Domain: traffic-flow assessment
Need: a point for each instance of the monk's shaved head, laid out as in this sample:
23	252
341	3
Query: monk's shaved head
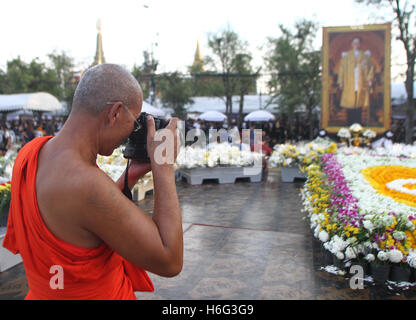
104	83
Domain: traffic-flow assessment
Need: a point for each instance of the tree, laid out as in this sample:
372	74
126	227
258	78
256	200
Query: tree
17	76
22	77
175	93
145	75
205	83
225	46
246	80
140	74
296	70
63	65
404	12
3	82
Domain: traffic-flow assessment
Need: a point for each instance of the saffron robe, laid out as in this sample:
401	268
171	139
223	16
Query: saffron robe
98	273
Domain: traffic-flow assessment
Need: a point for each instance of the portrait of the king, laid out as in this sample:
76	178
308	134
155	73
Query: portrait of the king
356	66
355	80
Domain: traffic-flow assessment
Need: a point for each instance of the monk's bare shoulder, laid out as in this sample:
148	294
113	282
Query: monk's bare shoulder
100	195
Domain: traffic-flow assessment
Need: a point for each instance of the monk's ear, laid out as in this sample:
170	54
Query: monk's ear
113	113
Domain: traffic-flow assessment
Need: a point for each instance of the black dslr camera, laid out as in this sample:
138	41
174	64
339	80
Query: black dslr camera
136	147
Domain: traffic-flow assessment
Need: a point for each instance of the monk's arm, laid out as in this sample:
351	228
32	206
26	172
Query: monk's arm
167	212
129	231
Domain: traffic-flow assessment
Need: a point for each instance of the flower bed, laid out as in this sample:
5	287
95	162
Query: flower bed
288	155
217	154
5	196
353	218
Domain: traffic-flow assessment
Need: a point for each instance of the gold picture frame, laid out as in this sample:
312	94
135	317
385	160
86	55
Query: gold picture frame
371	102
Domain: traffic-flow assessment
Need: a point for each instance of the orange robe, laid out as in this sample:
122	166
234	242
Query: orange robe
97	273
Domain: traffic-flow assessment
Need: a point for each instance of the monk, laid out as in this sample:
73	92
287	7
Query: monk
79	236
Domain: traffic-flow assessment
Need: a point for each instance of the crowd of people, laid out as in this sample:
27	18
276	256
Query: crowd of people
273	132
281	131
22	131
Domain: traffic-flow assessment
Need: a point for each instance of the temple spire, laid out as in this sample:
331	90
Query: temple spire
198	60
99	53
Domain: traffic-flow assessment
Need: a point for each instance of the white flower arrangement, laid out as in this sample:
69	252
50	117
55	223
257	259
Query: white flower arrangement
288	155
399	235
344	133
411	258
7	162
323	236
383	233
398	185
382	256
340	255
395	256
217	154
115	165
370	257
395	150
369	134
356	127
369	199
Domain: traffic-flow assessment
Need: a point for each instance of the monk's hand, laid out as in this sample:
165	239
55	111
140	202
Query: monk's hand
162	145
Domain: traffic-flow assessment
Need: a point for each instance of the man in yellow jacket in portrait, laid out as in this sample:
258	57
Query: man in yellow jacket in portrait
355	80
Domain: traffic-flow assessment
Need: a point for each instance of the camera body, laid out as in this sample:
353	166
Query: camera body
136	147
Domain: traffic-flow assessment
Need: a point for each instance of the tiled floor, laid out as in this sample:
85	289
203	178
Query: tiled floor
242	241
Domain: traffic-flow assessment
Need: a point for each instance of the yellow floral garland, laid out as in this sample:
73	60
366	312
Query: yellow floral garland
379	176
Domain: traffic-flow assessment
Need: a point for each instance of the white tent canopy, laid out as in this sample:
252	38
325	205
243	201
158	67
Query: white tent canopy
156	112
38	101
213	116
251	103
259	115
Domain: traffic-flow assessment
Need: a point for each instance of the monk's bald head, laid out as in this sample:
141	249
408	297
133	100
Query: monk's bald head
104	83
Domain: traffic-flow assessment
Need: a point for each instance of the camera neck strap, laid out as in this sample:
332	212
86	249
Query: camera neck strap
126	191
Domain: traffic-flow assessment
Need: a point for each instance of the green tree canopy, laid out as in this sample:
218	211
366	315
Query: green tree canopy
35	76
296	69
175	93
228	53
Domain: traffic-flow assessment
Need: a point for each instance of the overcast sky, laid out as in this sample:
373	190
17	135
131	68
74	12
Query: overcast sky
35	28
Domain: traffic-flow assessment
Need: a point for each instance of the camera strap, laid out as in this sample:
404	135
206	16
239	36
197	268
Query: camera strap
126	191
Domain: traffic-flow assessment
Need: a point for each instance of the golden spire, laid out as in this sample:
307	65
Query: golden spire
198	61
99	53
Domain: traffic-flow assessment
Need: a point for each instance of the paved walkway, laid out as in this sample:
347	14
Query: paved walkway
242	241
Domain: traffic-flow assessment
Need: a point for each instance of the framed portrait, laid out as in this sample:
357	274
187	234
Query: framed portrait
356	77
